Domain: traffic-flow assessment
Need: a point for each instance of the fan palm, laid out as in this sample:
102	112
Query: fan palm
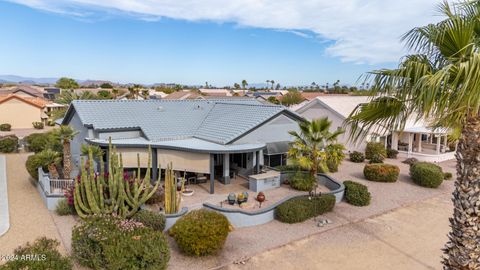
65	134
308	148
67	96
440	83
52	159
97	153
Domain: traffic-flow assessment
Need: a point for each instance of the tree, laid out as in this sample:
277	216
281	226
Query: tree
438	82
65	134
134	91
105	94
273	100
67	96
292	97
278	86
115	93
106	86
272	82
67	83
236	86
244	84
308	149
268	82
52	159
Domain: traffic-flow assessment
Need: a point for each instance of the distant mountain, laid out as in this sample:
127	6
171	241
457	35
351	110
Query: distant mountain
29	80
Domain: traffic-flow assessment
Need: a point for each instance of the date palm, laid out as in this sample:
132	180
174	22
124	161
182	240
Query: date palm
308	149
65	134
440	83
52	159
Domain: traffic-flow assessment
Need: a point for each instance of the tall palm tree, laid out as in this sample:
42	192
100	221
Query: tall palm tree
440	83
272	82
52	159
268	82
244	84
308	147
65	134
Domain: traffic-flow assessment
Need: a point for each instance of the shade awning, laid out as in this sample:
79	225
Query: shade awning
276	148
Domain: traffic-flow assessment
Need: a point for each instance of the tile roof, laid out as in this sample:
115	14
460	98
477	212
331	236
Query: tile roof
37	102
160	120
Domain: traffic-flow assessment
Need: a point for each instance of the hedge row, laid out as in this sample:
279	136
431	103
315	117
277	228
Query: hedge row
302	208
381	172
356	194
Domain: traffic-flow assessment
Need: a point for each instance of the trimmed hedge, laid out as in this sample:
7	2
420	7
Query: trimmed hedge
426	174
37	142
5	127
150	219
46	257
302	208
381	172
201	232
107	242
38	125
410	161
375	148
303	181
376	158
8	144
356	194
357	157
447	176
391	153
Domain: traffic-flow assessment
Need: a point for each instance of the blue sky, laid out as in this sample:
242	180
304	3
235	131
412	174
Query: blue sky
145	45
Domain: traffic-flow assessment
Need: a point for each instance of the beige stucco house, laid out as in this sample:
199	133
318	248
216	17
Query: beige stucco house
21	112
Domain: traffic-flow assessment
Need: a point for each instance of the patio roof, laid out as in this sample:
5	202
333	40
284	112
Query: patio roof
422	129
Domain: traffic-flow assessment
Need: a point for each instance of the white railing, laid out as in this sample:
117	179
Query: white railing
53	186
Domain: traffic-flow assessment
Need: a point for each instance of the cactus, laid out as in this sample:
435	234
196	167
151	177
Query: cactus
100	193
172	197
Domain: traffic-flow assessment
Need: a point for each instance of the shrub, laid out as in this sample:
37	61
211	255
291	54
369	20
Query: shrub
375	148
302	208
201	232
335	155
447	176
35	161
357	157
5	127
150	219
107	242
8	144
426	174
157	197
356	194
410	161
48	256
64	209
303	181
37	142
37	125
381	172
376	159
392	153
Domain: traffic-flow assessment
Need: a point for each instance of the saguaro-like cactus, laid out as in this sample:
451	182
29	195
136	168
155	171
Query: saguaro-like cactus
172	197
101	193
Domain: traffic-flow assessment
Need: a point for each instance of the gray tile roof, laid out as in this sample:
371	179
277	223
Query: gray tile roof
211	120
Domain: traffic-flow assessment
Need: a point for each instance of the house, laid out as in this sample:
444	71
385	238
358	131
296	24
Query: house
220	138
26	91
415	140
214	92
183	94
21	112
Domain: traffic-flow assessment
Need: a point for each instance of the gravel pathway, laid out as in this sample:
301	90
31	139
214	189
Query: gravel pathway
4	214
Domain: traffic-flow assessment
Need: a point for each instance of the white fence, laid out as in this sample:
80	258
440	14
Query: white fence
50	186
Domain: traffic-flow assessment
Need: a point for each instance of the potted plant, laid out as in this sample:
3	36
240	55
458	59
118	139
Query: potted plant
231	198
241	198
260	198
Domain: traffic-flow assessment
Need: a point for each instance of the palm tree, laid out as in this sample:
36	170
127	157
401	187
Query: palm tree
52	159
97	153
65	134
67	96
115	92
268	82
308	147
244	84
272	82
440	83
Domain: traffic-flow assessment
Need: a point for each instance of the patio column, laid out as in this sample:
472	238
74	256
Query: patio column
395	141
257	162
446	143
419	142
212	172
439	138
226	168
154	165
410	143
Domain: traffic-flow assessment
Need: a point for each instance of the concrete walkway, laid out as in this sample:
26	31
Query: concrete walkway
4	214
407	238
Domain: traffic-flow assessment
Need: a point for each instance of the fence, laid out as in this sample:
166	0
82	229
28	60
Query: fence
53	186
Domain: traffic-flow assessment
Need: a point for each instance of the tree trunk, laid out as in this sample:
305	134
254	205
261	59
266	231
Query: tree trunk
462	251
53	171
67	160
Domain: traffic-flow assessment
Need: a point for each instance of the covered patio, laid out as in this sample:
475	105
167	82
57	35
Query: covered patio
424	144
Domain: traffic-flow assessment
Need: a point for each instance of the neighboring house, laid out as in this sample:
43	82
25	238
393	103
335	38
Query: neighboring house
215	92
26	91
21	112
222	138
183	94
51	93
415	140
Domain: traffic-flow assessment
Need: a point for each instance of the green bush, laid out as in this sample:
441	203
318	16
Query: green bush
37	142
392	153
107	242
8	144
288	168
201	232
46	257
38	125
64	209
335	156
302	208
410	161
426	174
447	176
5	127
381	172
303	181
376	159
357	157
32	164
150	219
157	197
356	194
375	148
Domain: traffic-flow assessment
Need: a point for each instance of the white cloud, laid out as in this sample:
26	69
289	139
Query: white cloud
362	31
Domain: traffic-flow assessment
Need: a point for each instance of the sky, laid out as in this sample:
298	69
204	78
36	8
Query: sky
220	41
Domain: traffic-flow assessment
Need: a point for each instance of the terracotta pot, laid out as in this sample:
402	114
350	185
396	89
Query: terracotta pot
260	197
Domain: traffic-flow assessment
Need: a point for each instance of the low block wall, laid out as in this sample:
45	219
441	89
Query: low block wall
172	218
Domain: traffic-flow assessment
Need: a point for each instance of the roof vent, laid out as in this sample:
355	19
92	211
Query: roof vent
198	107
160	109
